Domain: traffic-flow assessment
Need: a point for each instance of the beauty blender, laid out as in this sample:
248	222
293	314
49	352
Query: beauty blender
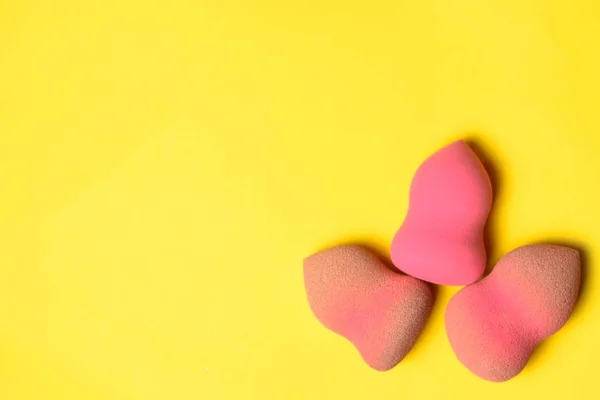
495	324
441	238
354	294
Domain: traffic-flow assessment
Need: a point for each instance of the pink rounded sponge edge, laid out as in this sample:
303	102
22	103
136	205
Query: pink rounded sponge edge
352	293
441	238
494	325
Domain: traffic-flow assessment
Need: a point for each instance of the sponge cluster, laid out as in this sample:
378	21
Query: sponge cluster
493	324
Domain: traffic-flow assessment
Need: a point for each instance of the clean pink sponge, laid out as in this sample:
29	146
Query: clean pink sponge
380	311
441	239
495	324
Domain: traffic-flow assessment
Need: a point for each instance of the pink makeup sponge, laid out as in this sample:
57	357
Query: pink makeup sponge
381	312
441	239
494	325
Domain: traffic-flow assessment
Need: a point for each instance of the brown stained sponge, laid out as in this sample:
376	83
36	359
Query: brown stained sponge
380	311
495	324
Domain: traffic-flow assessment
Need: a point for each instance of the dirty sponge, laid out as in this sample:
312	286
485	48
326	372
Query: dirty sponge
494	325
354	294
441	239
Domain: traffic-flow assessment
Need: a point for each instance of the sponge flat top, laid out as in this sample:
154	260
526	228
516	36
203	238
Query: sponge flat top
355	295
495	324
441	238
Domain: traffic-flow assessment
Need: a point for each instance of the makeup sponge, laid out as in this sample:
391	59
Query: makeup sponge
441	238
354	294
495	324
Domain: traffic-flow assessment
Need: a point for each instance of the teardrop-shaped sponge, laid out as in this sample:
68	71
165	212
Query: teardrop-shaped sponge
441	238
354	294
495	324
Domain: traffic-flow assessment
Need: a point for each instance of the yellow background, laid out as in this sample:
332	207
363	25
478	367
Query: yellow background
166	166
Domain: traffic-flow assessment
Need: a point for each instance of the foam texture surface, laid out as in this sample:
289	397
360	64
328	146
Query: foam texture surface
354	294
495	324
441	238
